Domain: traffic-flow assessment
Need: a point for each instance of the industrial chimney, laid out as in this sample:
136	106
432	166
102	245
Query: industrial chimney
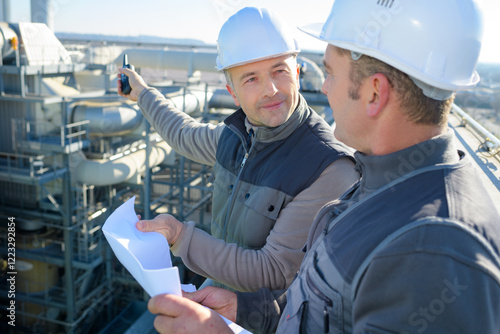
4	10
42	11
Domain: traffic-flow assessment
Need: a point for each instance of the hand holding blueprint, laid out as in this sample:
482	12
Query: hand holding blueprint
146	255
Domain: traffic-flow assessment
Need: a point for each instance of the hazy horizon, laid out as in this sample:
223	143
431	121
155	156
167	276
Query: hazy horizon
202	19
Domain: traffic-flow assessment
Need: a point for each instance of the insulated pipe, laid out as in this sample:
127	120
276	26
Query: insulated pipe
193	100
190	61
190	102
221	99
107	119
108	172
8	38
311	76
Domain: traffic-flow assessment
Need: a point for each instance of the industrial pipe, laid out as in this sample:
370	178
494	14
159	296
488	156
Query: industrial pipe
107	119
108	172
8	42
190	61
311	76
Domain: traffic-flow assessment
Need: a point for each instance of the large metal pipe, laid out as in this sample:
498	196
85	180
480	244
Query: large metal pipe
221	99
311	78
192	100
8	42
107	119
190	61
127	168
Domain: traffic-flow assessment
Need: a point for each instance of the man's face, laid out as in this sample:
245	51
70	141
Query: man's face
266	90
347	112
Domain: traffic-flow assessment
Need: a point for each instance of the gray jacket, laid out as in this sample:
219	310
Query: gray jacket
414	248
291	172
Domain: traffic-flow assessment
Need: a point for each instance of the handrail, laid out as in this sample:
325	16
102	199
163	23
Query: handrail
37	130
19	162
487	135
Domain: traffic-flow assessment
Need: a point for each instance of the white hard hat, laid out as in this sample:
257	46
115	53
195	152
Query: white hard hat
435	42
253	34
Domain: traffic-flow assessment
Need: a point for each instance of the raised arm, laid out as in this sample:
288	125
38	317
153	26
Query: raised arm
188	137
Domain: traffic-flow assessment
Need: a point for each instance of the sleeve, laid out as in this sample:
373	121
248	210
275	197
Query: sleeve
194	140
445	284
259	311
275	264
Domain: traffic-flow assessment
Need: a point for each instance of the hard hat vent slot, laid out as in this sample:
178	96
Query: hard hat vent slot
385	3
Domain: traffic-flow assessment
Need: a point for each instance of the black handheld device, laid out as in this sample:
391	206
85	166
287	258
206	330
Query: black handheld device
126	89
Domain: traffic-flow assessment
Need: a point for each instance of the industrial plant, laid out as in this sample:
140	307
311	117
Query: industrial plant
72	150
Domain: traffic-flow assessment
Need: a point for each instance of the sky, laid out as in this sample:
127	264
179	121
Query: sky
202	19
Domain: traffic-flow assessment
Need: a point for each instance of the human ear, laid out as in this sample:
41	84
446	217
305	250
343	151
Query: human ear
231	91
379	84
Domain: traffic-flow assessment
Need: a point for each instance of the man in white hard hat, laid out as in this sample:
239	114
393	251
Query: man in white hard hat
414	246
276	162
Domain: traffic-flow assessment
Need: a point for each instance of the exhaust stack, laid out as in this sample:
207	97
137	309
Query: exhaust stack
42	11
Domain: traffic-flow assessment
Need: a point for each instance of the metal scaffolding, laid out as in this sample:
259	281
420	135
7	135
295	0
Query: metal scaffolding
67	278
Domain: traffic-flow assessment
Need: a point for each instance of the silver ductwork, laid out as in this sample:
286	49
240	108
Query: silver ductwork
116	118
196	99
190	61
221	99
311	78
107	119
127	168
37	44
8	42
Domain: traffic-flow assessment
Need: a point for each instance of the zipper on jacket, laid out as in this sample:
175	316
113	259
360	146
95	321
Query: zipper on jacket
237	185
334	213
327	302
243	162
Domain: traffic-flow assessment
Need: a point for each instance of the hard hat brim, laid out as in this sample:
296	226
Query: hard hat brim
316	30
313	29
291	52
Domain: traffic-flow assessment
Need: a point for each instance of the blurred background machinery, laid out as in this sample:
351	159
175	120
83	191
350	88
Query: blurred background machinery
72	150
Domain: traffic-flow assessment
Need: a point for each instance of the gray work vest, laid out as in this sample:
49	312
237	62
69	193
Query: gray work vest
321	297
254	183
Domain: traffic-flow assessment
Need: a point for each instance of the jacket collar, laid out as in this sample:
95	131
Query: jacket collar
380	170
